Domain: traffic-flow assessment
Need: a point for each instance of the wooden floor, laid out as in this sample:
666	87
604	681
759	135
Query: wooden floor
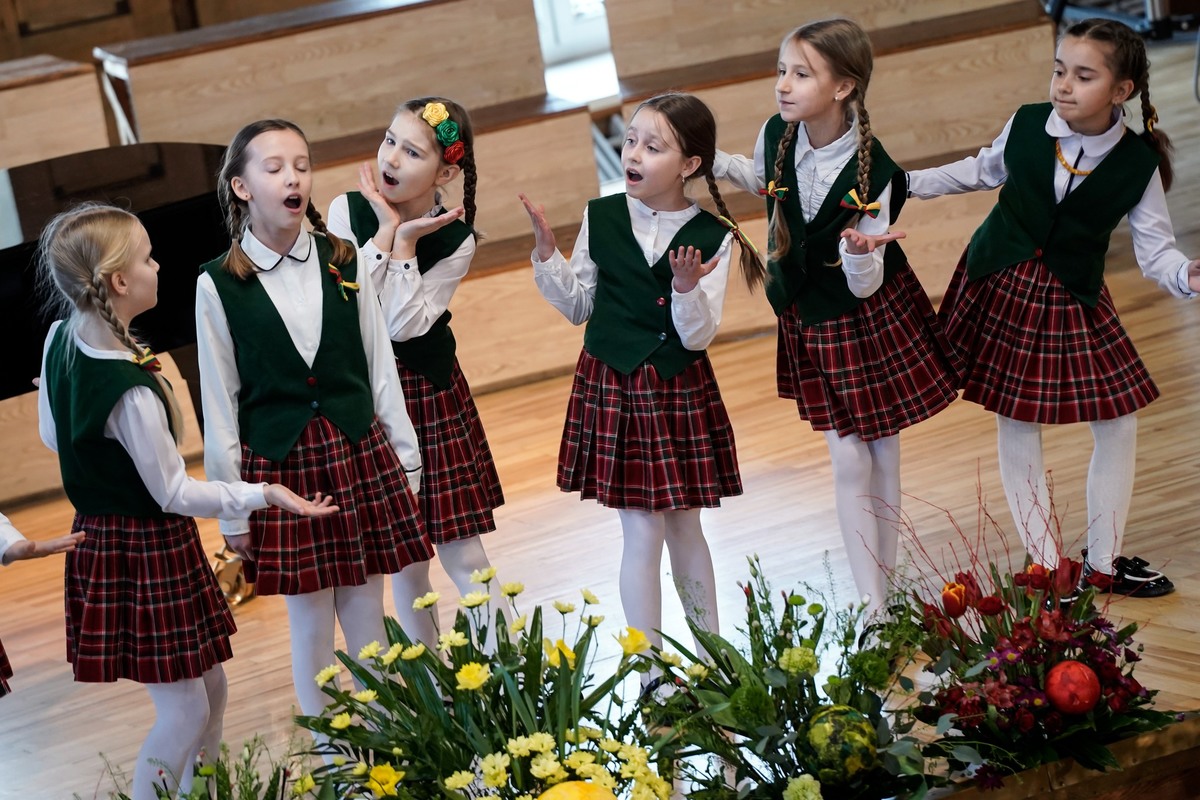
53	730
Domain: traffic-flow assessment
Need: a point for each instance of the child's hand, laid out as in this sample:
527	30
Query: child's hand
283	497
241	544
860	243
23	549
689	268
543	234
404	244
389	218
1194	275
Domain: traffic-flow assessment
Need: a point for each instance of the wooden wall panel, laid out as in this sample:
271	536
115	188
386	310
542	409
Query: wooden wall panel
51	108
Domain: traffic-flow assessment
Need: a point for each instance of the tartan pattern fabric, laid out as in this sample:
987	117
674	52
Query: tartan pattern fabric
1035	353
377	532
459	483
142	602
640	442
872	371
5	672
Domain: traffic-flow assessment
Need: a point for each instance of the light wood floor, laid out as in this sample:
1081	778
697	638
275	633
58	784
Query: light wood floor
53	730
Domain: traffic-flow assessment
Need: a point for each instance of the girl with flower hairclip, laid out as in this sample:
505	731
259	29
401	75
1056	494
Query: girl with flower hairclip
142	603
298	382
860	349
418	251
647	432
1027	308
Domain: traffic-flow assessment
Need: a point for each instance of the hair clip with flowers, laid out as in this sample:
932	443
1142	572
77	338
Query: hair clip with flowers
851	201
738	234
446	131
772	190
148	361
342	283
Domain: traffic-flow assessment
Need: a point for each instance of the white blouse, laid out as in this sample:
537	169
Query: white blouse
1149	221
139	422
816	171
411	301
571	287
9	536
293	282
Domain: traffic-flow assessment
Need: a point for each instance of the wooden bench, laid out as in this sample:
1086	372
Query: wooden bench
51	107
70	28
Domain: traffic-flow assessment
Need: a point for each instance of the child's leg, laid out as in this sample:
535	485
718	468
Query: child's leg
641	561
1023	473
885	502
692	568
853	468
462	557
1110	488
311	617
407	585
180	716
217	690
360	613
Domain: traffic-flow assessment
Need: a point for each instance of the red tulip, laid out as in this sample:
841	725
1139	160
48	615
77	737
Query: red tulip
990	606
954	599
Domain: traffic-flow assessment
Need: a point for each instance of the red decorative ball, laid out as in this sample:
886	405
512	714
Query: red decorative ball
1072	687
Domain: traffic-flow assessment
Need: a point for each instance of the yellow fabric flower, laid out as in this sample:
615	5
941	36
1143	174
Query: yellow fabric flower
555	651
472	676
588	597
340	722
563	607
512	589
451	639
674	659
413	651
633	642
304	784
460	780
518	624
383	779
474	599
483	575
435	114
426	600
392	654
327	674
366	696
369	651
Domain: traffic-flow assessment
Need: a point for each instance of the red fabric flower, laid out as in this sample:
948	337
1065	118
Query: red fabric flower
454	153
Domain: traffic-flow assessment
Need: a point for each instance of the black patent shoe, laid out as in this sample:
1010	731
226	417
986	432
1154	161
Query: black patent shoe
1129	578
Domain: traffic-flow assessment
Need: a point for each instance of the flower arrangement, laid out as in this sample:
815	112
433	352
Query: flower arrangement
464	721
798	711
1027	669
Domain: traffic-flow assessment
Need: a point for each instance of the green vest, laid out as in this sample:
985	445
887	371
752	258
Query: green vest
1071	238
283	393
98	473
631	314
804	276
432	353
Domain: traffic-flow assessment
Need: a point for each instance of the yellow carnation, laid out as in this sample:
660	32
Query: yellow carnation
340	722
518	624
518	746
494	767
365	696
563	607
413	651
327	674
579	758
359	769
473	599
369	651
697	672
451	639
674	659
633	642
545	766
483	575
304	784
460	780
392	654
426	600
512	589
588	597
473	676
594	620
541	742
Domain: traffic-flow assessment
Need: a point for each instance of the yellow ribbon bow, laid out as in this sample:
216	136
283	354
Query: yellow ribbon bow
773	190
342	283
851	201
742	238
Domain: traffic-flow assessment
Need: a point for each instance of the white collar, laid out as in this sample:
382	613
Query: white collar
1093	146
640	209
267	259
837	151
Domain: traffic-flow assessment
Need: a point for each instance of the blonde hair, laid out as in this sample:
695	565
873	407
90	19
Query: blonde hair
847	48
79	251
237	210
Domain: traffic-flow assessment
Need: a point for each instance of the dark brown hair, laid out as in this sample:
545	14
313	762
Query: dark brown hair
466	135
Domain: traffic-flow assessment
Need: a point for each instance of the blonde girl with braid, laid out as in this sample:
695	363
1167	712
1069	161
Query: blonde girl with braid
298	383
860	348
141	601
418	252
1028	309
647	432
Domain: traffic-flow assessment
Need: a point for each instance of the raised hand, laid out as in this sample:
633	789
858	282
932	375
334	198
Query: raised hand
23	549
858	243
543	234
283	497
389	218
1193	279
404	245
688	268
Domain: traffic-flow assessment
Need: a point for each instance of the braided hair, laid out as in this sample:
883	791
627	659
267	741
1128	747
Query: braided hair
466	162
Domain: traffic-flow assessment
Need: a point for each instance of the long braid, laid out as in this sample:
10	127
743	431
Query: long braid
752	269
866	138
470	181
1154	136
237	263
781	237
343	253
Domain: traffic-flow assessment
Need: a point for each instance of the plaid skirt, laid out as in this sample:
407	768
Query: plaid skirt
459	484
5	672
1035	353
142	602
377	532
640	442
873	371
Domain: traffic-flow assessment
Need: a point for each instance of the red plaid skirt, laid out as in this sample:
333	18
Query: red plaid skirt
873	371
5	672
377	532
459	484
640	442
1035	353
142	602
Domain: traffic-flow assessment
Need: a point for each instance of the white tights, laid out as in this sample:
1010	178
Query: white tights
866	490
1109	487
459	558
645	533
188	716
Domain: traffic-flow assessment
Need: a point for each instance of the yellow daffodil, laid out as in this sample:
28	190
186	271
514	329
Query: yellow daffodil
555	651
304	784
473	599
633	642
588	597
472	676
563	607
460	780
340	722
392	654
483	575
451	639
413	651
382	780
366	696
369	651
426	600
327	674
512	589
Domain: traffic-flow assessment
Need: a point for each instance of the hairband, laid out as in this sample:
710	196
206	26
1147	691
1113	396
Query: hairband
778	192
148	361
446	131
742	238
851	201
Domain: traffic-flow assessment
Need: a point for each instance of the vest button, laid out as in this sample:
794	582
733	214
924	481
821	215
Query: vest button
662	301
662	337
315	405
1037	253
312	381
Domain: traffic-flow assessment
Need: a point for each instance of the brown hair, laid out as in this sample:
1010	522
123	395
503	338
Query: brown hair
466	135
78	251
694	126
237	214
1126	58
847	48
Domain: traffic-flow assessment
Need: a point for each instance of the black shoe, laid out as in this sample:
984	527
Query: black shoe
1129	579
1138	563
